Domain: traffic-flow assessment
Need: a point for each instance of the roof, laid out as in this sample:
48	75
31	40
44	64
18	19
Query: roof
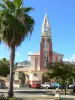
38	54
35	54
3	78
22	69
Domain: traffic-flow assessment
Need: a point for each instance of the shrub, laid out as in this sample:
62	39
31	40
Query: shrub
2	97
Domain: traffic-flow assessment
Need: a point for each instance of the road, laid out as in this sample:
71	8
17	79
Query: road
35	94
30	90
31	94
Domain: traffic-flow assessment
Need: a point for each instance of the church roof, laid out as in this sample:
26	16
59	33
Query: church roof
38	54
23	69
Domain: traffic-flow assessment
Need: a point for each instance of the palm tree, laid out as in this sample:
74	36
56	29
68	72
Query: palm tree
15	25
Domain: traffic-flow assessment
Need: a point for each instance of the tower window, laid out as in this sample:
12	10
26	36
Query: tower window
48	40
46	29
45	58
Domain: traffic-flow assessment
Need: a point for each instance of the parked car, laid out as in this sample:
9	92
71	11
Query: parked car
35	85
46	85
71	85
51	85
55	85
2	86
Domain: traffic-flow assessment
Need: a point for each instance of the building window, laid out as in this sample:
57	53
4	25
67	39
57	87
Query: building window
35	74
45	58
36	62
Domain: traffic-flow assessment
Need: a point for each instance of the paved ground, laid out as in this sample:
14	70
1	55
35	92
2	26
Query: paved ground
38	94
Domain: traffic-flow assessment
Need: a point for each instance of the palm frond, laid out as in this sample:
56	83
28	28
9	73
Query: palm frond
15	28
2	6
10	5
23	11
28	9
18	3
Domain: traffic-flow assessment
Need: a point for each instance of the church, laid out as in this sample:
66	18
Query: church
37	67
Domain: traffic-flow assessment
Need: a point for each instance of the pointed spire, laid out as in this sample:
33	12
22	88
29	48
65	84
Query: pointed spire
46	31
45	21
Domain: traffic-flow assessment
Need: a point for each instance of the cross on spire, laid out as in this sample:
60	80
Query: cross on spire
45	10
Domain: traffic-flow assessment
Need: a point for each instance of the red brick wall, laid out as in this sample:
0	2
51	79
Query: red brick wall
41	54
50	52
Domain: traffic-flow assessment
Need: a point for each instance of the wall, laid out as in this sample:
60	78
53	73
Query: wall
57	58
35	63
37	78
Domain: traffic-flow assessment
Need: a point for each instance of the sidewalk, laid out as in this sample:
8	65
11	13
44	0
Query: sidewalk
68	96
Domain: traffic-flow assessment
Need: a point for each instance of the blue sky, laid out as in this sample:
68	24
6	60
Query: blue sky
61	15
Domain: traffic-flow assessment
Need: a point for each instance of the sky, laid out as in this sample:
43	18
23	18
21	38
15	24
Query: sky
61	15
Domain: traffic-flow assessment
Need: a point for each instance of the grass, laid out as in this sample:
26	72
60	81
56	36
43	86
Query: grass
66	99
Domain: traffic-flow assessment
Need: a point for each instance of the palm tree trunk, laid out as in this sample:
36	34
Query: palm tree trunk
12	56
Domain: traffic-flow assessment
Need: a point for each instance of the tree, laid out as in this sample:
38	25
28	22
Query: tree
15	25
6	61
61	71
4	69
22	79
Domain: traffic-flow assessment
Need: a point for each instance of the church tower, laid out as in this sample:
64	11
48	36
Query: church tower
45	44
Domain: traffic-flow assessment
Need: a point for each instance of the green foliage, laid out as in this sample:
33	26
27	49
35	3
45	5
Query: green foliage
4	68
22	79
16	30
18	3
61	70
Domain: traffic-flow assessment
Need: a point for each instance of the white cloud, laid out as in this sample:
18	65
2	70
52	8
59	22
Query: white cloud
70	59
65	59
73	57
30	53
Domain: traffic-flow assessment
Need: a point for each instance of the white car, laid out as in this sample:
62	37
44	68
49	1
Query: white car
45	85
71	85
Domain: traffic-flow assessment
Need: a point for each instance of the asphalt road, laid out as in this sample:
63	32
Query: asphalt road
31	94
29	90
28	93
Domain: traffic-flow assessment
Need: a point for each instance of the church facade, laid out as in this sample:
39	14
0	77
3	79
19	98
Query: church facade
38	60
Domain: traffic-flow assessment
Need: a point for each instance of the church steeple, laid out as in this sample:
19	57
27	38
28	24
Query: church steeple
46	43
46	30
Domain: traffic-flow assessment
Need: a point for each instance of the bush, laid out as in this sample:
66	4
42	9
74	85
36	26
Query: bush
2	97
